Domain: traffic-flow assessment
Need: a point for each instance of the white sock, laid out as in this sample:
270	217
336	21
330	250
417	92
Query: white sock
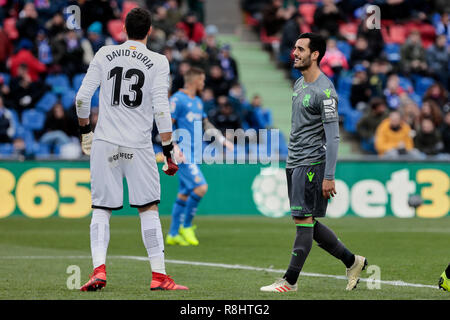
99	236
153	240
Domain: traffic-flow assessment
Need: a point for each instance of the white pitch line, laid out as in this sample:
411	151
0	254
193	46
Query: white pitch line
398	283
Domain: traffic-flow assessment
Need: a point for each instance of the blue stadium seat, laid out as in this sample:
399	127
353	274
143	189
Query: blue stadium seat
405	83
6	77
422	84
33	119
6	149
58	82
351	121
344	85
41	150
77	80
46	102
68	99
344	106
95	98
416	98
392	51
345	48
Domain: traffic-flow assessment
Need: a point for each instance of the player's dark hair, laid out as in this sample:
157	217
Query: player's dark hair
316	43
193	72
137	23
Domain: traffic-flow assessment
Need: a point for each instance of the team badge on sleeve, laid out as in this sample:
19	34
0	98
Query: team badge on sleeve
329	107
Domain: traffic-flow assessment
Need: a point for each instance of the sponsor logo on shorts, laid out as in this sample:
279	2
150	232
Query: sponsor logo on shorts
120	155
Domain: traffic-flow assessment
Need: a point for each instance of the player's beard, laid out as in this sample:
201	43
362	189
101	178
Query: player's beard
306	64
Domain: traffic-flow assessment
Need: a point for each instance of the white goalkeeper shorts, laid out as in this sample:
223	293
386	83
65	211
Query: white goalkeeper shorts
111	163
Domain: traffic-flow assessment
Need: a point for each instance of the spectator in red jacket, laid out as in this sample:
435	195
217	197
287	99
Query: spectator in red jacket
25	57
193	29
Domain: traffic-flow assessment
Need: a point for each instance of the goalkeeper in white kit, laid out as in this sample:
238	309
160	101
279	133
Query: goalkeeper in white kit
134	83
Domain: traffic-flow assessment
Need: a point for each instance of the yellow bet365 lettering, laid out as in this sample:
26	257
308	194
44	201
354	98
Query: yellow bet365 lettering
28	190
7	202
68	180
436	192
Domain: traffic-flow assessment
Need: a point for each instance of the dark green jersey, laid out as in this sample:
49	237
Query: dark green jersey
313	105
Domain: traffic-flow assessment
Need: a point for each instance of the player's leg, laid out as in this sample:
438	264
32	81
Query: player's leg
301	211
144	189
173	237
327	239
199	188
107	194
444	280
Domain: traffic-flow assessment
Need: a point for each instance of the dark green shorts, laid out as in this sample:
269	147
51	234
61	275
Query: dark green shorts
305	191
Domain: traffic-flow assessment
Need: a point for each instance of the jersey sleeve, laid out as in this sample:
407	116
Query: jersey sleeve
328	102
160	91
91	82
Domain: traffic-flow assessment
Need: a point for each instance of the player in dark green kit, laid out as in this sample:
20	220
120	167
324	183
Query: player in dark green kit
311	165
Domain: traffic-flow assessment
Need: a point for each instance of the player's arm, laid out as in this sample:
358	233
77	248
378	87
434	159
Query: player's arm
332	137
163	119
211	130
90	83
330	120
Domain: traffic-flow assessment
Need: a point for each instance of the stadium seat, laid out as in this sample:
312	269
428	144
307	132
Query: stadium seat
344	106
351	121
250	21
95	98
9	25
307	11
345	48
349	30
46	102
58	82
68	99
77	80
344	85
405	83
397	34
6	77
392	51
422	85
40	150
126	7
6	149
265	39
115	29
416	98
33	119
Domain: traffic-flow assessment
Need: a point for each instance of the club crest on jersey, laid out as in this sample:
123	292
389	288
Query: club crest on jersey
306	99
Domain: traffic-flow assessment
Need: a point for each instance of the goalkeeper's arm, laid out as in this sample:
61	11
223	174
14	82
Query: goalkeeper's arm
83	103
163	121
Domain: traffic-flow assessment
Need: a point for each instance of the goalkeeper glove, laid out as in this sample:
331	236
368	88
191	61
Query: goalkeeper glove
86	138
170	166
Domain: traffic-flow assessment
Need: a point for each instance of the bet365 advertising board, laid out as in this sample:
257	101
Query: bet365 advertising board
365	189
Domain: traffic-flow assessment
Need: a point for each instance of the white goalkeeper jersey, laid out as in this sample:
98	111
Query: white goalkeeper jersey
134	83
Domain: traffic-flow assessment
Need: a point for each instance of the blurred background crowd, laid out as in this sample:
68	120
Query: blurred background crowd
43	62
392	82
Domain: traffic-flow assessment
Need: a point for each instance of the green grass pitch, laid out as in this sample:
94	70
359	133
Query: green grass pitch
35	254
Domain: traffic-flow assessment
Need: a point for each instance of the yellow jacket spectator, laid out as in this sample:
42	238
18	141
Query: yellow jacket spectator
393	136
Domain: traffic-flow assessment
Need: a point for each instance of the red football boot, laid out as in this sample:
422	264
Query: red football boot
97	280
164	282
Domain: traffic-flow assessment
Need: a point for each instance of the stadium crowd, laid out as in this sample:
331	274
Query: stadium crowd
392	82
43	62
